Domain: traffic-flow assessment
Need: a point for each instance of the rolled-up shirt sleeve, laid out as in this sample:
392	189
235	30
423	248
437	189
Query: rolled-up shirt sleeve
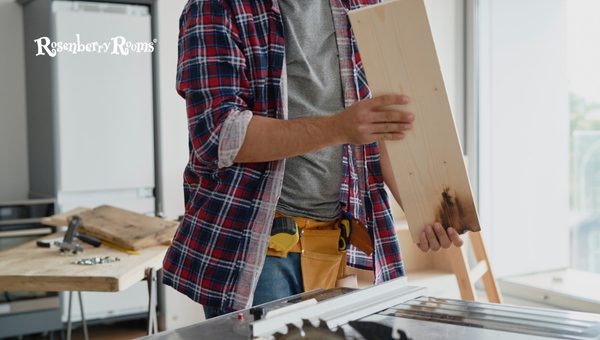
211	78
232	136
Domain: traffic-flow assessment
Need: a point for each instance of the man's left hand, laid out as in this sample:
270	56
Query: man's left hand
435	237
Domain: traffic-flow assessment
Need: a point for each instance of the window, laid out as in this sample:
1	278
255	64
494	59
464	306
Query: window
584	91
523	134
539	134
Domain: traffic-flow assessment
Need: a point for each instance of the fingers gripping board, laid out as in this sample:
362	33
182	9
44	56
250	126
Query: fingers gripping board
398	53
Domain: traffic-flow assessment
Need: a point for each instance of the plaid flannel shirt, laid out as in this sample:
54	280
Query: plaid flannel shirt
231	66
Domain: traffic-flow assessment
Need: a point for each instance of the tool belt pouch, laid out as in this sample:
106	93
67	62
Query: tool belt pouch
360	237
321	262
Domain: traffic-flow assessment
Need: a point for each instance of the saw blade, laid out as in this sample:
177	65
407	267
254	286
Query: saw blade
310	332
376	331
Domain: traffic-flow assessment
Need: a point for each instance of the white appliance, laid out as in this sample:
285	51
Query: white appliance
91	118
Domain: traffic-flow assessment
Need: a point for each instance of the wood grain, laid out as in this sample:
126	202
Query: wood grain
62	220
28	267
121	227
127	229
398	53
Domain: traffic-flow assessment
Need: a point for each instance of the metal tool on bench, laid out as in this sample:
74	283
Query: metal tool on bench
91	240
49	243
68	245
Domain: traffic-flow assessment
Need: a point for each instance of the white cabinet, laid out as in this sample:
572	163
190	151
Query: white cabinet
104	102
91	117
104	108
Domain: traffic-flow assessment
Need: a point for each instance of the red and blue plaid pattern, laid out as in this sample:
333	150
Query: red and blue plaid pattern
231	62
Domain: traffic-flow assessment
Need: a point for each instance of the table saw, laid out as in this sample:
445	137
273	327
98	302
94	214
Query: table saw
392	310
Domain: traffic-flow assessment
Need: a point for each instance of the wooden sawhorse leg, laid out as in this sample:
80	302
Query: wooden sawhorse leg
467	276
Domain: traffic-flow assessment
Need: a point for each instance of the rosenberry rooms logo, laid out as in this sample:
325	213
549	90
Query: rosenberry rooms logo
118	45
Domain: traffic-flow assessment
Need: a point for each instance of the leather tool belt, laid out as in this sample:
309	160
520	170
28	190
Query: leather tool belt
322	245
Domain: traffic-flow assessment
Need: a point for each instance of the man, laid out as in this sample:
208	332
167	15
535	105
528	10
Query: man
281	127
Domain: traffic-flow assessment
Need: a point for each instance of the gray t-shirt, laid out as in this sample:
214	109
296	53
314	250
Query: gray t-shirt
311	183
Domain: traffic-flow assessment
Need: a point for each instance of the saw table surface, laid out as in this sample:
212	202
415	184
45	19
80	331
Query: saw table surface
29	267
419	317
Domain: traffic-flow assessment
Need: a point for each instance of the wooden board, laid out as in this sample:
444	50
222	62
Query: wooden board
123	228
62	220
126	229
398	53
28	267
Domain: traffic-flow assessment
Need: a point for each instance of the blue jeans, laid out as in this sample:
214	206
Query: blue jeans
280	277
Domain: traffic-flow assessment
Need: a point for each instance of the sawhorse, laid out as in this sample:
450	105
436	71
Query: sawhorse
467	277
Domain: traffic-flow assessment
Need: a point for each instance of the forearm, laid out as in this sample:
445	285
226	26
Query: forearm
367	121
269	139
388	174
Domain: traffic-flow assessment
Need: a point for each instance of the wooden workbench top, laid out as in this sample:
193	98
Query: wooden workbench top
31	268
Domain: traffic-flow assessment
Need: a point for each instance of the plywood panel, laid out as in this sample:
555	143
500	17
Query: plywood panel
399	55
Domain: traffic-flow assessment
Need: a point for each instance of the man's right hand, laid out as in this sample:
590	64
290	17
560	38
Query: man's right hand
365	122
373	120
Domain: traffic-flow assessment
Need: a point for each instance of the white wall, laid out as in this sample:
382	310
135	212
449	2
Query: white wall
173	122
14	182
446	18
524	134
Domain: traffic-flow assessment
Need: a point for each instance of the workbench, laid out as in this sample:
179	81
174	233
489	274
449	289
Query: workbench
29	267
